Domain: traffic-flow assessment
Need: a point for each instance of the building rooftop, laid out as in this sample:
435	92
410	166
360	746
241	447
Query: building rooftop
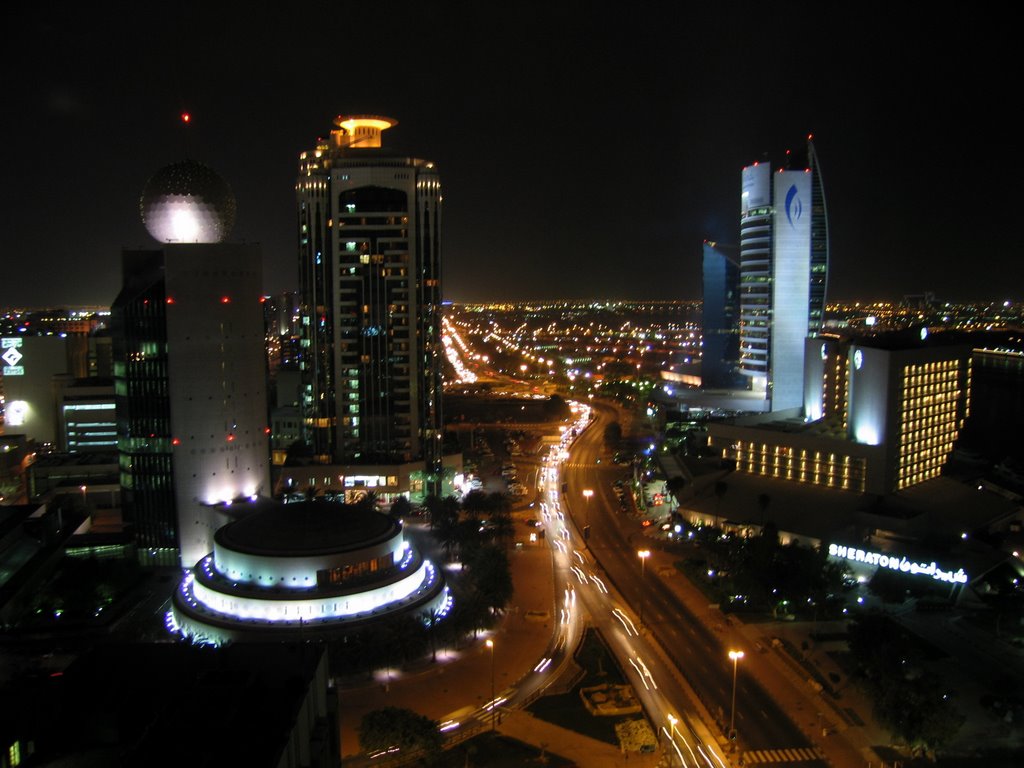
305	528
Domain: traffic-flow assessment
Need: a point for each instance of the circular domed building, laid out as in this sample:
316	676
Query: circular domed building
321	567
187	202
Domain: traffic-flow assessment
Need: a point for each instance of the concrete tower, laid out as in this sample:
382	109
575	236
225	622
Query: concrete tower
189	369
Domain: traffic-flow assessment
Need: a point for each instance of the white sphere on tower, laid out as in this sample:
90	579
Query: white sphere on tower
187	202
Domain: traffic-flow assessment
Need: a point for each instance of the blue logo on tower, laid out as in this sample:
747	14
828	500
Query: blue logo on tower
794	206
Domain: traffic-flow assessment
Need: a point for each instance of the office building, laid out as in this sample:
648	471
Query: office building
720	275
783	273
189	370
370	284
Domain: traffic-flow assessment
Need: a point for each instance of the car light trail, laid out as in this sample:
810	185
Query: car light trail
629	625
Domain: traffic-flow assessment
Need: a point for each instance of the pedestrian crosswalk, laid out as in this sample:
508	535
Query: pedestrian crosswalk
794	755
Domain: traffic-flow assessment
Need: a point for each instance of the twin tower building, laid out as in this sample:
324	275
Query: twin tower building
190	362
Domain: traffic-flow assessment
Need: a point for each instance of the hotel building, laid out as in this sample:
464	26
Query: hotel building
881	414
370	299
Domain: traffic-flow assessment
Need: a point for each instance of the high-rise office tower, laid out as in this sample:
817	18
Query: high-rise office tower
783	273
369	271
189	371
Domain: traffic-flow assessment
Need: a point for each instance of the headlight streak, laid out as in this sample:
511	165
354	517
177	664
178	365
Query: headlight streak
543	665
675	746
600	584
579	574
642	680
492	704
646	672
624	619
706	758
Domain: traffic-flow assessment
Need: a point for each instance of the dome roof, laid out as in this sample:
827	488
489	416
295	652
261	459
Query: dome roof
187	202
306	528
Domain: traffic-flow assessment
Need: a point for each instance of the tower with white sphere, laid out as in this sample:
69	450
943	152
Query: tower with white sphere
189	369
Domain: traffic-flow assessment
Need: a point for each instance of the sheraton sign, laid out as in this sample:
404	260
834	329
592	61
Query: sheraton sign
897	563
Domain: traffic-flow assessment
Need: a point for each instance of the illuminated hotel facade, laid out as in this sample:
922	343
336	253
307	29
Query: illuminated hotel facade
370	284
880	414
783	273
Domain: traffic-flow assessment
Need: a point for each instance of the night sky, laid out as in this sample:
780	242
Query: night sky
583	155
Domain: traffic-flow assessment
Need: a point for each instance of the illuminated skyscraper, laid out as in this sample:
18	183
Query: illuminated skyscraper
783	273
370	282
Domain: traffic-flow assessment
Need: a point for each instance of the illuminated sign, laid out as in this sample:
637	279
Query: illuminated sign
16	412
12	356
897	563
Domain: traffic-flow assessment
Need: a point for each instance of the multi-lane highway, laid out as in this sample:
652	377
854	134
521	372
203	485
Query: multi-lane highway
700	653
588	596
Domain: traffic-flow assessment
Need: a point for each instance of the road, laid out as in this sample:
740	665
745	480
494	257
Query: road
588	597
700	653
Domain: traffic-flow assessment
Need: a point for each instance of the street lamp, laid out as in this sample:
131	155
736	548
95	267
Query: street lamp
735	656
85	490
490	646
587	494
643	554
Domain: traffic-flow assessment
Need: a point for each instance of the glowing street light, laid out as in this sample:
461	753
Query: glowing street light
490	647
587	494
735	656
643	554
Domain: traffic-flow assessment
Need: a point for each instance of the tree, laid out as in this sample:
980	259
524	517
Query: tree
612	434
476	503
400	507
676	485
503	526
367	502
492	577
395	727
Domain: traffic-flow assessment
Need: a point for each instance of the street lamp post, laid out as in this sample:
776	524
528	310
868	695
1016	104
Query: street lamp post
490	646
735	656
587	494
643	554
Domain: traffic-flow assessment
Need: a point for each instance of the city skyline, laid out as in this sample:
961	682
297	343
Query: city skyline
571	145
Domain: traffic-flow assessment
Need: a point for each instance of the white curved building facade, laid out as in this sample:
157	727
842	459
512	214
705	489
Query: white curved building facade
316	566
